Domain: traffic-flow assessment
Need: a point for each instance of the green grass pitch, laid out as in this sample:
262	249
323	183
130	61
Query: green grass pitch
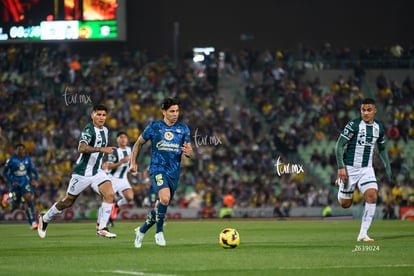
268	247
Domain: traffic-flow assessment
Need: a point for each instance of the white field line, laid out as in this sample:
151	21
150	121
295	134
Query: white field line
344	266
125	272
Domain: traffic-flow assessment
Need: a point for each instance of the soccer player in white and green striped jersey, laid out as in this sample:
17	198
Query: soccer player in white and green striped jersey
93	145
354	154
117	167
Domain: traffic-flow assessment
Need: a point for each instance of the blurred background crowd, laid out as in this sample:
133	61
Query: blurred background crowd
246	110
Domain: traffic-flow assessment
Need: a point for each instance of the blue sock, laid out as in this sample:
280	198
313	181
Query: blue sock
30	212
150	221
161	211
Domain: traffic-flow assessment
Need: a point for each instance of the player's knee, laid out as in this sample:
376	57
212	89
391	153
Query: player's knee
164	200
370	196
129	196
107	191
109	194
346	203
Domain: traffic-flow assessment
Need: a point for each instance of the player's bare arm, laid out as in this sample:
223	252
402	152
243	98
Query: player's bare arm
85	148
114	165
135	153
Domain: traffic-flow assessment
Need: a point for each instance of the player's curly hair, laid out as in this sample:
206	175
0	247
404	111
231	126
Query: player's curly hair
168	102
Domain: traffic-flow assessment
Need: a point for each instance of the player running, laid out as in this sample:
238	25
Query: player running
118	168
354	153
93	144
21	176
169	139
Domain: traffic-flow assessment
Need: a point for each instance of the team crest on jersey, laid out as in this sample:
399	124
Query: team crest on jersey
168	135
85	137
348	133
159	180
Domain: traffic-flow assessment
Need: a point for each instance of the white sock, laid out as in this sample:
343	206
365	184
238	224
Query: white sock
340	187
104	214
53	211
122	201
367	216
99	214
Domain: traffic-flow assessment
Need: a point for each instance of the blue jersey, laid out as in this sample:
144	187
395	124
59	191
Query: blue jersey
20	170
166	146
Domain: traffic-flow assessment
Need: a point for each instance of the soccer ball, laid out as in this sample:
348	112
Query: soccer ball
229	238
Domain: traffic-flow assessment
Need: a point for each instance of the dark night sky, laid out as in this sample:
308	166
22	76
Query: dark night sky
274	23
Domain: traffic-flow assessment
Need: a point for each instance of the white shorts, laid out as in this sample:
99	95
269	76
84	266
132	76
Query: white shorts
78	183
120	184
363	178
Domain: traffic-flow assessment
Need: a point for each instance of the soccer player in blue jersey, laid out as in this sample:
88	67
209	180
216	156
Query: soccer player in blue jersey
93	145
21	176
354	154
169	140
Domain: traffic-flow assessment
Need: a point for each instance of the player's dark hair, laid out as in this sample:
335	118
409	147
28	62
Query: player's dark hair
121	133
99	107
19	145
368	101
168	102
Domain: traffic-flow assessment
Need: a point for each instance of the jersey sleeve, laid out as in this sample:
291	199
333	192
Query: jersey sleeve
339	151
187	137
113	157
6	170
32	171
349	131
86	135
148	132
381	138
346	135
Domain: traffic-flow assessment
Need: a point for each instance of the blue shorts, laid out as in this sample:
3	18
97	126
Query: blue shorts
160	180
23	188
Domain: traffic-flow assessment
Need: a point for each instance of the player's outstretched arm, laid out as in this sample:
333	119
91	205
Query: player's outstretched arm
85	148
384	157
135	153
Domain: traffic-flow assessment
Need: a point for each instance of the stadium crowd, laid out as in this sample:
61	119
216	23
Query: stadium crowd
46	91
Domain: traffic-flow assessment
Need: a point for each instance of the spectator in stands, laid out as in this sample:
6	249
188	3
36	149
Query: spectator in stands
393	133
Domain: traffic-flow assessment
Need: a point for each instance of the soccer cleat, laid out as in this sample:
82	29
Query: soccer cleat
159	239
138	238
105	233
364	238
41	227
34	225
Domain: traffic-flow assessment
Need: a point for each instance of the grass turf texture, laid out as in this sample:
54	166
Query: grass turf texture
268	247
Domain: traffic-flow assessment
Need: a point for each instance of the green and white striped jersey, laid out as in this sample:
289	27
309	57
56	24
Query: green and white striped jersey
118	154
88	164
362	138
